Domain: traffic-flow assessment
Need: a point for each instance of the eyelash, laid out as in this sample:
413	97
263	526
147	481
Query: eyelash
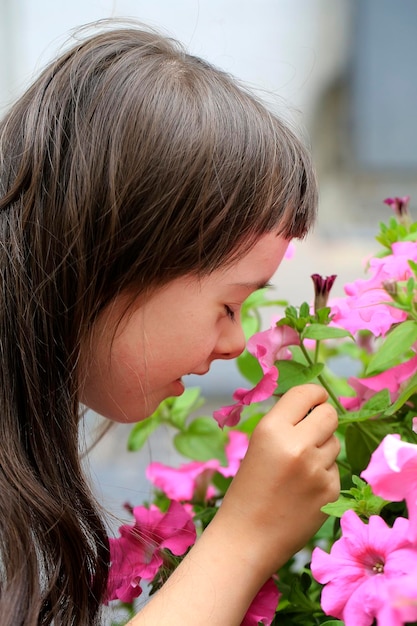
229	312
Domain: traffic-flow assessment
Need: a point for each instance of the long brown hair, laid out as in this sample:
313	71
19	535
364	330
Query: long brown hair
126	164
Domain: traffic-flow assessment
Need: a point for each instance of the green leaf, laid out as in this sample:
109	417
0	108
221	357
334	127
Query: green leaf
339	507
174	410
362	438
360	498
248	424
202	440
249	367
292	373
250	325
140	433
373	407
319	331
409	390
398	342
323	315
183	405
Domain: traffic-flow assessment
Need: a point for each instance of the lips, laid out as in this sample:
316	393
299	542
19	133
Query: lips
179	387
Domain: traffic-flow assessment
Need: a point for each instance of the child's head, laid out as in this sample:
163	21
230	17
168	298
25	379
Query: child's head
126	165
138	359
137	163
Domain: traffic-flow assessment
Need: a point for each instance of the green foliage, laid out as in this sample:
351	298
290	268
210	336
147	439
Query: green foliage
292	373
359	498
202	440
398	342
395	231
172	411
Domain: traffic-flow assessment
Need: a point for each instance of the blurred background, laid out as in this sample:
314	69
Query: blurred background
342	72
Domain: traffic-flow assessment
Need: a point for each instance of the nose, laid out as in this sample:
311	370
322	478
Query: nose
231	343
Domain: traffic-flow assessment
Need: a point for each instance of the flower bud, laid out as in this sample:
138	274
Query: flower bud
400	208
322	287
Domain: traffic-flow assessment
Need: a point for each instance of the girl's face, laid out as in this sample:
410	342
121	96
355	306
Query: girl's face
179	329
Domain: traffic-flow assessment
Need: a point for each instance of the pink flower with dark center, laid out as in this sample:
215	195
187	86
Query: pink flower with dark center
192	480
263	606
360	567
392	474
138	552
267	346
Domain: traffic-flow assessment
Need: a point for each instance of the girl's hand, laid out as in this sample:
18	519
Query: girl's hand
289	472
269	512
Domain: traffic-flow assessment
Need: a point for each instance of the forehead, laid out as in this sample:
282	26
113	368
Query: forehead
261	261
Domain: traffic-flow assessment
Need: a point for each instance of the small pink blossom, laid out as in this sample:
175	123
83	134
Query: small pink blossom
263	606
391	379
392	474
137	553
267	346
193	479
367	305
271	345
360	567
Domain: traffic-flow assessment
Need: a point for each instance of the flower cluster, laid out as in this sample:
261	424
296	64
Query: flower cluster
371	570
362	565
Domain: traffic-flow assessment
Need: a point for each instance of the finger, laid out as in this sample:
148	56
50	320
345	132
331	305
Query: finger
298	401
320	424
330	451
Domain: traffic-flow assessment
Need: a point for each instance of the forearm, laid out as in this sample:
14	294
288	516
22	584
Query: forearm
213	586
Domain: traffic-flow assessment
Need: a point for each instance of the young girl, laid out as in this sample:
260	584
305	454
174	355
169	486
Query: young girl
144	195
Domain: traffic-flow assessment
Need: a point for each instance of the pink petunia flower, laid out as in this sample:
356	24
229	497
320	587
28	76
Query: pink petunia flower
193	479
391	379
263	606
392	474
367	305
360	567
402	595
137	553
267	346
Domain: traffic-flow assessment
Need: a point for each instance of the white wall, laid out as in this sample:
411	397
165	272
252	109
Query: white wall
288	47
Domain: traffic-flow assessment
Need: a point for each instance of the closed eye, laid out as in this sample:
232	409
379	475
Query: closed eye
229	312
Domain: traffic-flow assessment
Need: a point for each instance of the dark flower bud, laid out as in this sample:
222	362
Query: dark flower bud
322	287
400	208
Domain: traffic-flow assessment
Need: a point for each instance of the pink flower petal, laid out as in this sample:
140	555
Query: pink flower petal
392	473
263	606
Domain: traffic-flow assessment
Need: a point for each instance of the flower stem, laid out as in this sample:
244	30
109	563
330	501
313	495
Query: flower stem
323	381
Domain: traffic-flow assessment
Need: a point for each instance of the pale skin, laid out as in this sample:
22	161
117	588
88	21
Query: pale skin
289	472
